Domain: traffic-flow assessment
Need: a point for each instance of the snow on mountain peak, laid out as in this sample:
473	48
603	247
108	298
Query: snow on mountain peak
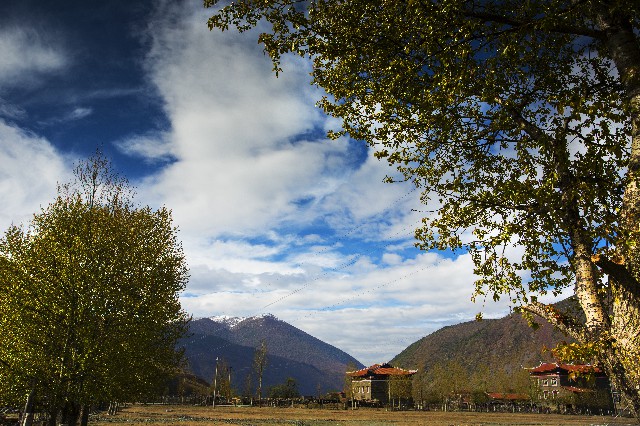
227	320
233	321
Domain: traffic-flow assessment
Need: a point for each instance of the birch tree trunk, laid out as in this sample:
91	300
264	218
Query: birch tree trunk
622	349
614	324
27	416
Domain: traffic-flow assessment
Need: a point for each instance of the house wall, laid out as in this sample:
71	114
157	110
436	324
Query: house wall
551	392
361	390
377	389
549	385
371	390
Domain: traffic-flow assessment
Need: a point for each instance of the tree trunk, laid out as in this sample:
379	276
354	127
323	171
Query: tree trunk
620	353
27	417
74	415
84	415
260	391
53	418
70	414
63	415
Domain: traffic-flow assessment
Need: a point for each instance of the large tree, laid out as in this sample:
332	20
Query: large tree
520	122
89	308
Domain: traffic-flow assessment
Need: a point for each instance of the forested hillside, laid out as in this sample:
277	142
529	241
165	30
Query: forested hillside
507	344
480	356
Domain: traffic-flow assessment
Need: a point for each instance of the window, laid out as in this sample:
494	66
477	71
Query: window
545	382
555	393
554	381
545	394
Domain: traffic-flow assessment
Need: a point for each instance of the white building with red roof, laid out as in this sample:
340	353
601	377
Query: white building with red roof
380	383
571	385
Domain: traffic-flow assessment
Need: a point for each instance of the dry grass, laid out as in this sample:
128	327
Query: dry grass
163	415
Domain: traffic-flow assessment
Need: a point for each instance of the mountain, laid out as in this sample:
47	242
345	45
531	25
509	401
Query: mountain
314	364
507	342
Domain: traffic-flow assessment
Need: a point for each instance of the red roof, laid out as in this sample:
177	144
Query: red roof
549	367
575	389
381	370
508	396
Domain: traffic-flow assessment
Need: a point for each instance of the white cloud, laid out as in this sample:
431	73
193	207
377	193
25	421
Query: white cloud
391	259
24	53
394	305
251	180
11	111
236	256
30	168
77	113
241	164
151	147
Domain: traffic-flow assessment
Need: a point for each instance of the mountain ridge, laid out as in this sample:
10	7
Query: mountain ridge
317	366
507	343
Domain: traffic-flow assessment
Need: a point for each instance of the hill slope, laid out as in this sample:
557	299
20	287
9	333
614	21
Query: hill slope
290	353
506	342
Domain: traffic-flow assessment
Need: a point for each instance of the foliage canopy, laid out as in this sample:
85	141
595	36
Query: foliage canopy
286	390
89	296
518	120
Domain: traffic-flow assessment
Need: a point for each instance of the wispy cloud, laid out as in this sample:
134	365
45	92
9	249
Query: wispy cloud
239	168
24	54
152	147
75	114
11	111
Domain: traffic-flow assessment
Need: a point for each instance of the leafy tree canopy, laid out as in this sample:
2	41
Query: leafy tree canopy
89	306
518	120
287	390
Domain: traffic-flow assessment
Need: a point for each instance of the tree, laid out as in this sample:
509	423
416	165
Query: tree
221	383
518	120
247	389
259	364
287	390
89	297
348	381
440	383
399	388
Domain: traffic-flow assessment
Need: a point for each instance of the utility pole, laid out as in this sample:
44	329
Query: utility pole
215	384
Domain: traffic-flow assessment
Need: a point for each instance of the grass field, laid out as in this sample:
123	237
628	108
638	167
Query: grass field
163	415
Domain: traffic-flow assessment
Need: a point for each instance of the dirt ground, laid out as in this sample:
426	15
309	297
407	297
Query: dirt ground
163	415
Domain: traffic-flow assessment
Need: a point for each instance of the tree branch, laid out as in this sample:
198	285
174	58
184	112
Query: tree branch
615	269
557	28
563	322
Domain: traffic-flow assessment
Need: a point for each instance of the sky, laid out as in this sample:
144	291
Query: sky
273	217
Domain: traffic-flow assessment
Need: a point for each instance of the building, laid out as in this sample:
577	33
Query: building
380	383
571	386
506	398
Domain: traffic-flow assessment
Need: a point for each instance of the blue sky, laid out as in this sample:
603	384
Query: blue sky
274	218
